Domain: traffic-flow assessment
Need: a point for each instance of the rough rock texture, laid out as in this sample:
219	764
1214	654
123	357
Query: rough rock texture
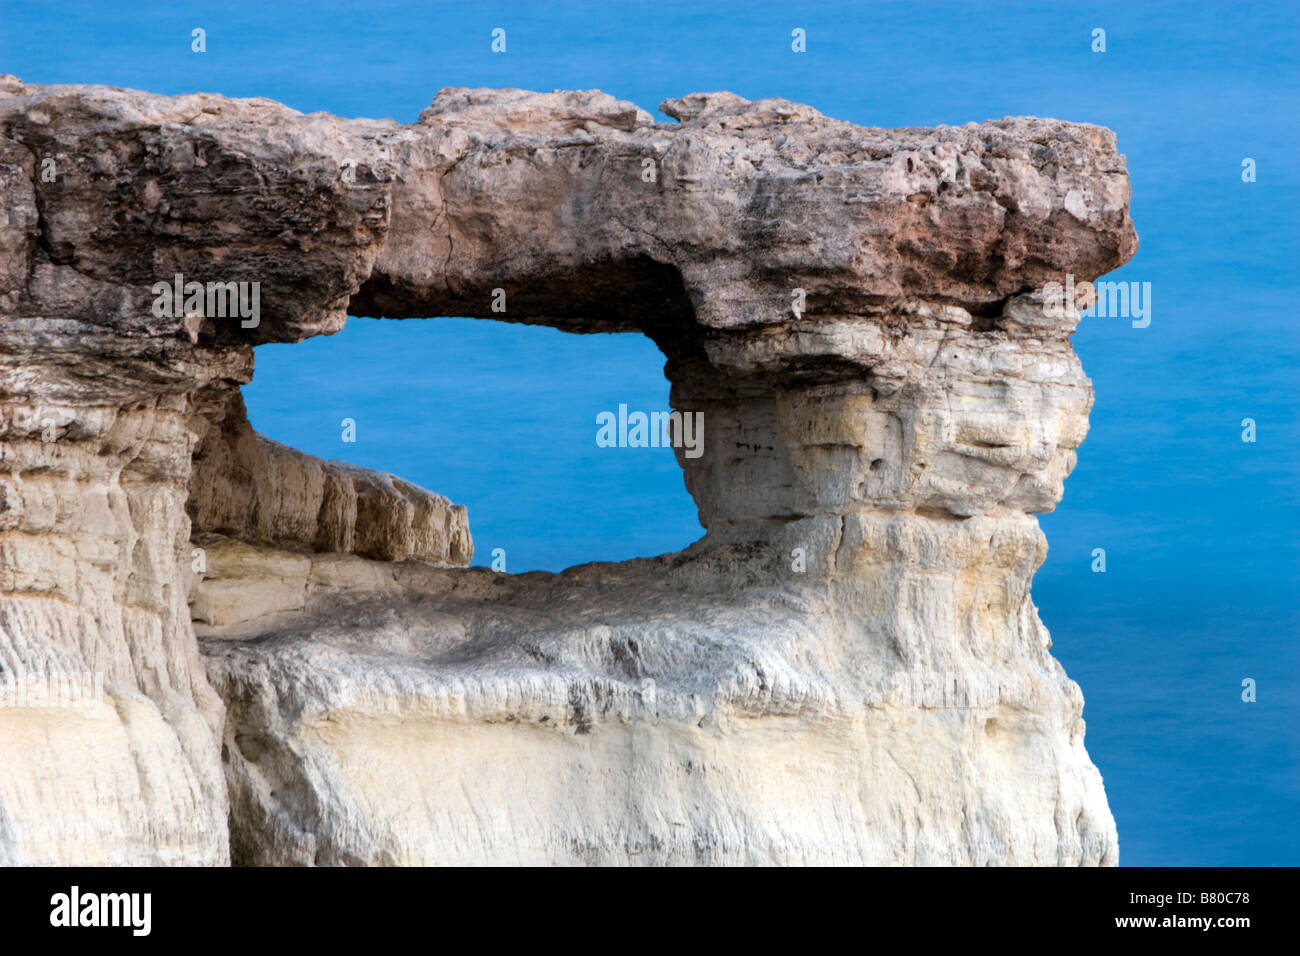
260	490
848	667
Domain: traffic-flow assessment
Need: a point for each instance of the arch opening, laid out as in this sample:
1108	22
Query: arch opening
500	419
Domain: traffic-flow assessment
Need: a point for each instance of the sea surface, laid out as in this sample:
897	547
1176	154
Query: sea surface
1199	527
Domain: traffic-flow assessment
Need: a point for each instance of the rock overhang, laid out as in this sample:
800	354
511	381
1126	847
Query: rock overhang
575	204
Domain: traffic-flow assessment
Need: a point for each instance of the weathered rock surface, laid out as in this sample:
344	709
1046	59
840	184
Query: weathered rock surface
848	667
246	485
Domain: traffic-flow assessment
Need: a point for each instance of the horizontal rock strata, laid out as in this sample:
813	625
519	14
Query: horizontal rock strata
298	668
256	489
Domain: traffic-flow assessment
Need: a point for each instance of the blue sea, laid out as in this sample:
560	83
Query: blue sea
1199	527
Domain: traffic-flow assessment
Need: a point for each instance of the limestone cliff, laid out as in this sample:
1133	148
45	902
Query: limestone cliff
298	668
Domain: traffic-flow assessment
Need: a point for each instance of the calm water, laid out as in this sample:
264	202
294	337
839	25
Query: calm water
1199	528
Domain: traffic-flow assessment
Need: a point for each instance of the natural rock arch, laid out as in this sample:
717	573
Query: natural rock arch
848	667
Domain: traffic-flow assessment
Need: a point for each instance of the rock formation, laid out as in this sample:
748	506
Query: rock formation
297	665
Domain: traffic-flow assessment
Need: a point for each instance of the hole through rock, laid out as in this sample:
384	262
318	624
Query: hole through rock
499	417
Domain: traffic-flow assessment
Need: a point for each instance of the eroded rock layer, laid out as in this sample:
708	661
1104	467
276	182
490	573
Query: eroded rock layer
296	665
